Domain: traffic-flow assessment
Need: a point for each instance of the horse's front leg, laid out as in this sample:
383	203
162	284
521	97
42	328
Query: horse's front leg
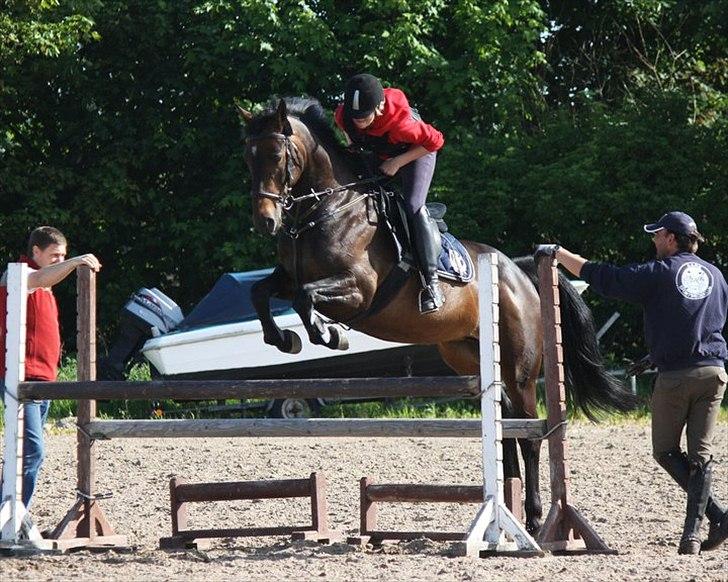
274	284
531	451
337	291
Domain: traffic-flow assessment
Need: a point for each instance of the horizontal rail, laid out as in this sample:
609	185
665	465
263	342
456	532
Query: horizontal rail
237	490
437	536
191	534
418	493
426	386
304	427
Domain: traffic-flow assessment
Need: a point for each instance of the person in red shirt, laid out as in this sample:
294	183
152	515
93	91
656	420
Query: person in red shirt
382	121
46	257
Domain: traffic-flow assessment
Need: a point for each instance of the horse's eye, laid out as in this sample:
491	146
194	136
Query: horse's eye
276	157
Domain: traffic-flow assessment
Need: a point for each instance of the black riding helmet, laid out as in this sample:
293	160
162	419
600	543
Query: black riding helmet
362	95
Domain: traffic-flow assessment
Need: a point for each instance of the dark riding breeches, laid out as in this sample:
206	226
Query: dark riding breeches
689	397
416	178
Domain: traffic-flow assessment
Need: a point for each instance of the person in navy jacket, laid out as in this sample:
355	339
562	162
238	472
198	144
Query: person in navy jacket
382	121
685	300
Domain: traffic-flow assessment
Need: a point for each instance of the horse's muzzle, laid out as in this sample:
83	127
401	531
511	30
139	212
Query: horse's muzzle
271	226
266	224
266	213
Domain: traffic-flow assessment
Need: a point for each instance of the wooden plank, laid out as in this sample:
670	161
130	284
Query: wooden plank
368	513
424	493
554	380
414	387
191	534
238	490
318	427
319	508
438	536
86	372
512	492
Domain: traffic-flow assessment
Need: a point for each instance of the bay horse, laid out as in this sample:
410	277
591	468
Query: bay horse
334	254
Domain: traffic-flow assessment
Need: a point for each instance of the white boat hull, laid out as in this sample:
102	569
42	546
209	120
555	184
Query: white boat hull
240	345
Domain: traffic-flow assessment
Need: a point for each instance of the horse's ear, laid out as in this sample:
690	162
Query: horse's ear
283	122
244	114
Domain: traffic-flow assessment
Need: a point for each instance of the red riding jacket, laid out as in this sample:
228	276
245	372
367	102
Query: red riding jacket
395	127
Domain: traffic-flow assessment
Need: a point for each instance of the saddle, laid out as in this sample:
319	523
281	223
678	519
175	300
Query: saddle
387	208
455	263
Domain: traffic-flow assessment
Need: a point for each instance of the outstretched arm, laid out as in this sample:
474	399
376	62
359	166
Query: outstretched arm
571	261
53	274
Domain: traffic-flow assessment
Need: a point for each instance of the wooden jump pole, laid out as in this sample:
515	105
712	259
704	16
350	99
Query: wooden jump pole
415	387
565	529
85	524
307	427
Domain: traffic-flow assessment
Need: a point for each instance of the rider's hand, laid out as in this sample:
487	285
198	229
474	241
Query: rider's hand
545	251
389	167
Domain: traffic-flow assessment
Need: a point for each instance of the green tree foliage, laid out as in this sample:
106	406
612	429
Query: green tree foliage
570	121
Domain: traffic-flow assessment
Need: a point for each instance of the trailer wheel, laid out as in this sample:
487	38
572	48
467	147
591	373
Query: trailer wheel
295	408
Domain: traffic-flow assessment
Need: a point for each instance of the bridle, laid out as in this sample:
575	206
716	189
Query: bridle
288	201
290	164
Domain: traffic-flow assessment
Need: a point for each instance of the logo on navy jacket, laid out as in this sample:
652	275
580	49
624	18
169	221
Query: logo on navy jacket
694	281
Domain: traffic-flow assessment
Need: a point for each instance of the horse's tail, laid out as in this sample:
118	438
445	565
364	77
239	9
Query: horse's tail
589	384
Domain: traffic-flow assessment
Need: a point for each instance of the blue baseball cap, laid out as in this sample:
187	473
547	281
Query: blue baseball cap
677	222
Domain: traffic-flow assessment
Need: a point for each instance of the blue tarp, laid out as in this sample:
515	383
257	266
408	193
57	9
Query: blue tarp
229	301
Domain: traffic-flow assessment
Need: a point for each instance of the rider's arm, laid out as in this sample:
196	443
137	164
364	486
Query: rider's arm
393	165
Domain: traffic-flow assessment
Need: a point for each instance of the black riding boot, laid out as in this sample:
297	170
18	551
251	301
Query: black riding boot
427	247
698	494
677	466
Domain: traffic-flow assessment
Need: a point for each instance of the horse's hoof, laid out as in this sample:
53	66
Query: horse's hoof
338	341
291	342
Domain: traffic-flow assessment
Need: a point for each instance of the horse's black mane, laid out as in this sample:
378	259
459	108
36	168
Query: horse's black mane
312	114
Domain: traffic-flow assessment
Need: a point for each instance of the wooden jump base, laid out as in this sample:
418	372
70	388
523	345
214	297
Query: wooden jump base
495	529
181	493
371	494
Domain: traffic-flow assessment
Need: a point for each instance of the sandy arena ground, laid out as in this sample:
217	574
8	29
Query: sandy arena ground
615	483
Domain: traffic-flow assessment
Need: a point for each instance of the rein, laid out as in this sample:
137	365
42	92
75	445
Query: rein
288	201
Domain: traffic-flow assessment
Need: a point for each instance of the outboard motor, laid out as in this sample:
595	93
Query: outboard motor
148	313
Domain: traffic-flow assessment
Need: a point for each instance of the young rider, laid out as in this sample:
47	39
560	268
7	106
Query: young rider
381	121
